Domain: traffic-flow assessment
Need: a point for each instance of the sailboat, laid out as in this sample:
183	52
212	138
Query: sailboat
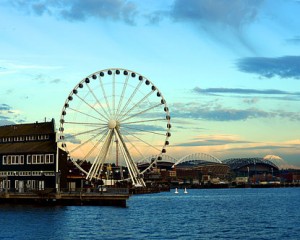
185	191
176	190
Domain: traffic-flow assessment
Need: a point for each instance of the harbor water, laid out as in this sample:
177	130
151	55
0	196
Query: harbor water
268	213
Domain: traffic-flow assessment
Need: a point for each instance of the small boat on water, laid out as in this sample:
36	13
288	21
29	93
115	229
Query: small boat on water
185	191
176	190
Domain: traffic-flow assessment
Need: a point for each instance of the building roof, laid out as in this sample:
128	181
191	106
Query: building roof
27	129
28	147
237	163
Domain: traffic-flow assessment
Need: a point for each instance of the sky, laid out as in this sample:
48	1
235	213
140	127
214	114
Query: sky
229	70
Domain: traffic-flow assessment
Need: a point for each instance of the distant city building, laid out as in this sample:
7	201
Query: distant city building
254	169
30	158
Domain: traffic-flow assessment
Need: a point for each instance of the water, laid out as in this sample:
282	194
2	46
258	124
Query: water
201	214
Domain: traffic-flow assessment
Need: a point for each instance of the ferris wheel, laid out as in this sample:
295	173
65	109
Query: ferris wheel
114	116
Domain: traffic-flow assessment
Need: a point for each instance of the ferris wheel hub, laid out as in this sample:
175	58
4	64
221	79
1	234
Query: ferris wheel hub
112	124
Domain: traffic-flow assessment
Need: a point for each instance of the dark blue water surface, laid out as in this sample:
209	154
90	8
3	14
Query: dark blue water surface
272	213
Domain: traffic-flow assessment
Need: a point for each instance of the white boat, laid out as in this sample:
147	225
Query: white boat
176	190
185	191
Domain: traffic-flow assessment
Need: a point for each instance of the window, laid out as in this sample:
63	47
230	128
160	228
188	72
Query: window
37	159
49	158
8	159
21	159
3	184
29	157
13	160
34	159
41	137
33	184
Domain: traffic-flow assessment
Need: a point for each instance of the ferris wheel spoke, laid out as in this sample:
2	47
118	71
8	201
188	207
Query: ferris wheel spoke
84	143
97	100
143	130
92	107
114	95
84	132
141	112
130	98
124	87
148	144
105	97
87	124
132	145
75	110
96	145
144	121
136	105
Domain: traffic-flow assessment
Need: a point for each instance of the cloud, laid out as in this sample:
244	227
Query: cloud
72	139
295	40
223	21
244	91
136	128
283	67
8	115
233	13
4	106
55	80
78	10
216	113
210	142
42	79
251	100
4	122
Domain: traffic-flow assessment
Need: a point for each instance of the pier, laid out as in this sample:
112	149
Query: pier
112	197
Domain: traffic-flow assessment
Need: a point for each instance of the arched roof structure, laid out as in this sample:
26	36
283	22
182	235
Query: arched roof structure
237	163
195	159
165	158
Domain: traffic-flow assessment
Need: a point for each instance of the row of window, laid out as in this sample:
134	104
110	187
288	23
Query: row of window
26	173
28	184
24	138
31	159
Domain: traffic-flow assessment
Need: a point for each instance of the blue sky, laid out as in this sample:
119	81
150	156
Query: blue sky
229	70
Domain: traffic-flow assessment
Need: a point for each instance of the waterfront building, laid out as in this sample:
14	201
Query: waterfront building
30	158
203	172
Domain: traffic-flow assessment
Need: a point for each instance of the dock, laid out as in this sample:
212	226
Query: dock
113	197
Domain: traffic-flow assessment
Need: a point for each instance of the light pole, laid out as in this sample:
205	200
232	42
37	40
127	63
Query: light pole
6	184
57	181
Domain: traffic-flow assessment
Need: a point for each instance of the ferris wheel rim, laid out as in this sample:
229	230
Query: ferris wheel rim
112	123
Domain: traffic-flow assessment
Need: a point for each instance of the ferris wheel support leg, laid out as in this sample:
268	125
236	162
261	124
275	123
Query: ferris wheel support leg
101	157
91	171
131	173
135	174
